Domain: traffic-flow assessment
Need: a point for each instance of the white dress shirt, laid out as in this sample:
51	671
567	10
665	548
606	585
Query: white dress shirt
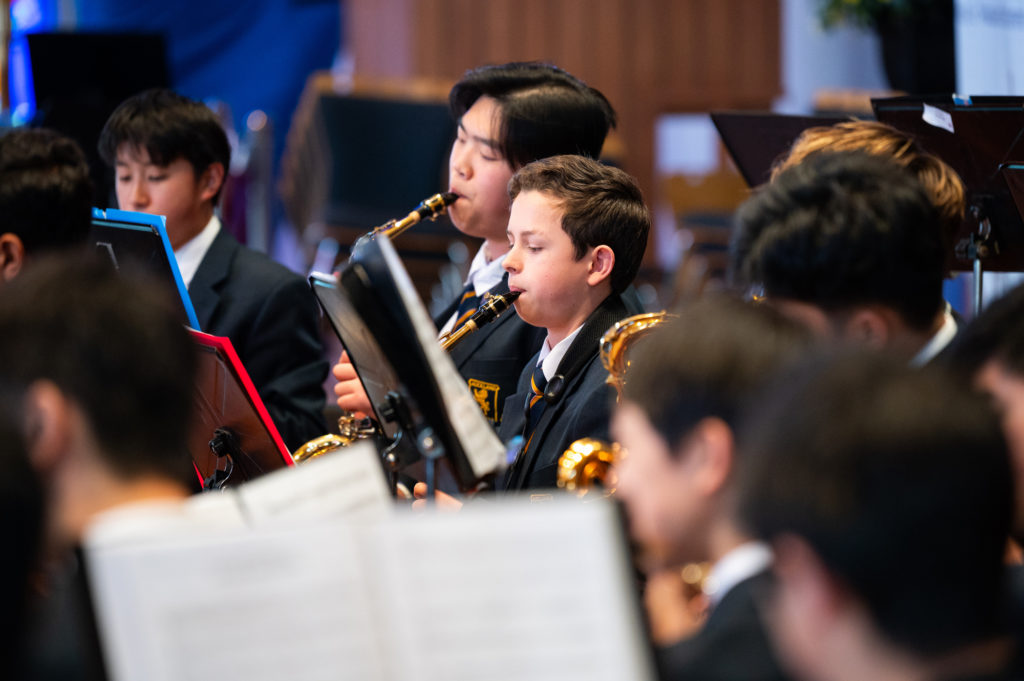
194	250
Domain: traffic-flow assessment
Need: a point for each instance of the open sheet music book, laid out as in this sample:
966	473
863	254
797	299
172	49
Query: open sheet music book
508	590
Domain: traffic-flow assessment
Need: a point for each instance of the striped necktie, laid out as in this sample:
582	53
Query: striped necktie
534	404
468	304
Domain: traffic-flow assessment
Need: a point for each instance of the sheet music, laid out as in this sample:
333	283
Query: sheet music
245	606
515	590
482	447
345	484
509	590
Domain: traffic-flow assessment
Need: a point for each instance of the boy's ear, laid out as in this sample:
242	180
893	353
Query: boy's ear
211	181
47	425
867	325
602	262
12	255
714	446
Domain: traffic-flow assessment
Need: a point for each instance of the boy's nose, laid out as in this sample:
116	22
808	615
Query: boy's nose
460	163
139	195
511	263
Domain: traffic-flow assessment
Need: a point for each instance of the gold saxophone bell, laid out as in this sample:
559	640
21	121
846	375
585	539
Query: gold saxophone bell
586	465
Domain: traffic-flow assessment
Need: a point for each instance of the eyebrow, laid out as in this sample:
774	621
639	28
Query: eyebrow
528	232
487	142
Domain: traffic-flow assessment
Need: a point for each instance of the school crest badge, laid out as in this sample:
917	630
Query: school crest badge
486	395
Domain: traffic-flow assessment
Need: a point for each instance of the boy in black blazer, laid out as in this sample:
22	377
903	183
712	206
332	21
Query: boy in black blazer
577	234
170	157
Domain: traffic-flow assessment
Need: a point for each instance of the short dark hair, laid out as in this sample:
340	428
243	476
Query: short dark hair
168	126
705	364
899	480
544	110
45	190
113	342
600	205
844	229
996	334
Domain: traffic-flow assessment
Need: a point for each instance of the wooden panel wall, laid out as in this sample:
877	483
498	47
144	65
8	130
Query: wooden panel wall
648	57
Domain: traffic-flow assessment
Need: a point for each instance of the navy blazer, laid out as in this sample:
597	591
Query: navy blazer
271	316
733	644
582	407
491	358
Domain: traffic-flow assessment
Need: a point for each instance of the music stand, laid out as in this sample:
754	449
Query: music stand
976	137
440	414
756	140
233	438
125	236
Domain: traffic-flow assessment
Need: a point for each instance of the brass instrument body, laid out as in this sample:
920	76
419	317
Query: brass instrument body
616	342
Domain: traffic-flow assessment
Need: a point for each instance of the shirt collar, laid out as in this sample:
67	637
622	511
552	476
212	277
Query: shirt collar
194	250
485	275
943	337
744	561
551	357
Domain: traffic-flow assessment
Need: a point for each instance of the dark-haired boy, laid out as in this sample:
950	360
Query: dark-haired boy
170	157
508	115
96	371
45	196
879	488
577	233
687	384
850	244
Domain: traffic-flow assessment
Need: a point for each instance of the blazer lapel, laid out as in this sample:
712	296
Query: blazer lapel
204	290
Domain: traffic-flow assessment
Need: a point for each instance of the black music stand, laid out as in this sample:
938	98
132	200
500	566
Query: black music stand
976	137
756	140
432	404
233	438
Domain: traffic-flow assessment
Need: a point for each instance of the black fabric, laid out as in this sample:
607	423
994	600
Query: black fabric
62	643
733	644
579	407
272	319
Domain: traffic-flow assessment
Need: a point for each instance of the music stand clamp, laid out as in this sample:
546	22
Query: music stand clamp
428	446
225	447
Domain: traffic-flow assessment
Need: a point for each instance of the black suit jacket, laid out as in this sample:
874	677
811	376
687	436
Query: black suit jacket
491	358
271	317
733	645
582	408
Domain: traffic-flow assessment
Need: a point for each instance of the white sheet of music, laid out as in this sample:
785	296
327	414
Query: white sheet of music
515	590
482	447
506	590
246	606
348	483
